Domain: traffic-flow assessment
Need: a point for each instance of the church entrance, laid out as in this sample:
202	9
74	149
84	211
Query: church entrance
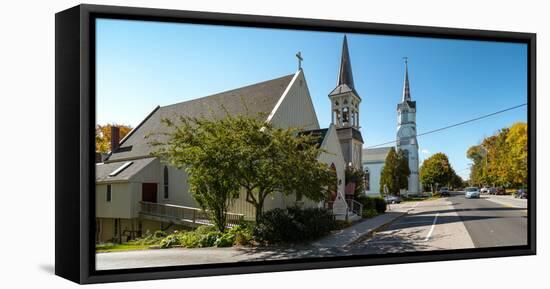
149	192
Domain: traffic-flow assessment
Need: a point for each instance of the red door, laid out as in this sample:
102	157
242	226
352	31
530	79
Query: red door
149	192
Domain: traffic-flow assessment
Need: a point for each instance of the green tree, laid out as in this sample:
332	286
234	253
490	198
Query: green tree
501	159
436	170
403	169
356	176
206	150
395	173
456	181
478	156
276	160
242	152
516	141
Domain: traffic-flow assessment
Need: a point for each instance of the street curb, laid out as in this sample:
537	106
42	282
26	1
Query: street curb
353	233
375	229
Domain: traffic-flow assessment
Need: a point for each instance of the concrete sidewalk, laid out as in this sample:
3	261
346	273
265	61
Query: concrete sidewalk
353	233
506	200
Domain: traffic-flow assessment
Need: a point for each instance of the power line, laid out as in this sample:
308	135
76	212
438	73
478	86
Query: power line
455	125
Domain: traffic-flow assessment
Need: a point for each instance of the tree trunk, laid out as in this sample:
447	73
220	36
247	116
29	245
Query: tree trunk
259	209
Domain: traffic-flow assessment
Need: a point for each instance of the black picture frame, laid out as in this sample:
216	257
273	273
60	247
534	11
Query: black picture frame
75	127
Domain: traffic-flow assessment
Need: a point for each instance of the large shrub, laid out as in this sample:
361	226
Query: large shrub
372	205
149	239
209	239
294	225
170	241
379	205
190	239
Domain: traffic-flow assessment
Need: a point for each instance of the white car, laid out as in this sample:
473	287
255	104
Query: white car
472	192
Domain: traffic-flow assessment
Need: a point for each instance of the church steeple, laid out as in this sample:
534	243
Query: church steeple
345	111
406	88
344	98
345	76
406	132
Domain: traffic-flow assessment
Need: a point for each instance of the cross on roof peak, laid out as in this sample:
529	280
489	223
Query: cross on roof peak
300	59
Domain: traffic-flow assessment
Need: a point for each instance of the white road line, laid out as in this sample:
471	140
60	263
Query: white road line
432	228
413	222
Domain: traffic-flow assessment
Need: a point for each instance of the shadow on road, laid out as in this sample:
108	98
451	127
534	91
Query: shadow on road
418	220
496	209
389	241
281	253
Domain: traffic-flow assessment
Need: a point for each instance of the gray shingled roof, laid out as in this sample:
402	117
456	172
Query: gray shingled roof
259	98
375	154
102	170
319	133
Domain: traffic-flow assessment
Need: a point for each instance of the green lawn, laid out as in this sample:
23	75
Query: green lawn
110	247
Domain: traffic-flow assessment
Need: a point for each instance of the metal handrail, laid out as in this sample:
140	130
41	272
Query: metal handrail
185	214
355	206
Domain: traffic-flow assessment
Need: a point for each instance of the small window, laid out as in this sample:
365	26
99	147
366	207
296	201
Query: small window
109	193
166	194
367	179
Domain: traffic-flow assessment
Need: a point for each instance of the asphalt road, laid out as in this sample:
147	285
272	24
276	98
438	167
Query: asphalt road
428	226
441	224
489	223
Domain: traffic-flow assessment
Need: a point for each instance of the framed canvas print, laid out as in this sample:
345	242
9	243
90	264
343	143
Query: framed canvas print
197	144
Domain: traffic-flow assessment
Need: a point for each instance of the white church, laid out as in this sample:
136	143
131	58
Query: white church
374	158
136	192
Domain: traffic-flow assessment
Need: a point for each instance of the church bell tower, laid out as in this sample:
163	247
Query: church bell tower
345	111
406	133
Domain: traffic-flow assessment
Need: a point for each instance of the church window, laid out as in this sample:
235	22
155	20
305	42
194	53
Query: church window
334	188
405	117
336	102
367	179
166	182
109	193
345	101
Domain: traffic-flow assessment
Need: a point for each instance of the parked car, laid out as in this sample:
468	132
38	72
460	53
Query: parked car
500	191
492	191
391	199
521	194
472	192
444	191
484	190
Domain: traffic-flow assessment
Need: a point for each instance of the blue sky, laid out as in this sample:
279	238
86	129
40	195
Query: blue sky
144	64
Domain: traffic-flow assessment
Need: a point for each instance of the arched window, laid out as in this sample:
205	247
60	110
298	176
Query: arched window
334	188
166	195
367	179
406	154
345	115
